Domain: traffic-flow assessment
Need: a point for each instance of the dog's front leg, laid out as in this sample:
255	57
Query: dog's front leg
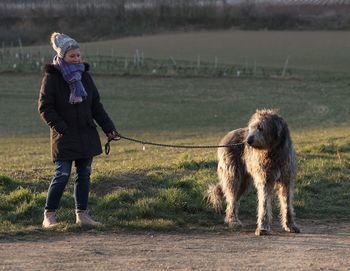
264	191
285	195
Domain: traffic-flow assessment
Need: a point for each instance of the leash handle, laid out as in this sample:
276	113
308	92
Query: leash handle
107	147
108	144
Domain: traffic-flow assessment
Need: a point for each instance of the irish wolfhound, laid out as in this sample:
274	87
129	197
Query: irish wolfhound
267	159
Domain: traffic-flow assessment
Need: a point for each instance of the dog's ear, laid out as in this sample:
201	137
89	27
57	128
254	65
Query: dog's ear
280	128
282	131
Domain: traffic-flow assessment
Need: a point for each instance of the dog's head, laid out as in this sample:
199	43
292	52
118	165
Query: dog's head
267	130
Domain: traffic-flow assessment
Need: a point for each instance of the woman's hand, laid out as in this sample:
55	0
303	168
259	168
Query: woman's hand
114	135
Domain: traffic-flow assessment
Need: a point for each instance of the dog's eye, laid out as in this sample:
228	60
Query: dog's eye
259	128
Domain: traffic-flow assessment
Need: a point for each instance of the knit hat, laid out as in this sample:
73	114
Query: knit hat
61	43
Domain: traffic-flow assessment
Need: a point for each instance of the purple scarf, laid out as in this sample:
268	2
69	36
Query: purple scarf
72	75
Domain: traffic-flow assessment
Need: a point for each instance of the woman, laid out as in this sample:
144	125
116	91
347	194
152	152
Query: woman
69	103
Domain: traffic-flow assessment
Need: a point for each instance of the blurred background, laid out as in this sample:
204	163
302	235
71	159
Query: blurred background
31	22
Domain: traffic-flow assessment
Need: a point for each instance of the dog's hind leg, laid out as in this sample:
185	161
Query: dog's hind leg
233	190
231	217
285	196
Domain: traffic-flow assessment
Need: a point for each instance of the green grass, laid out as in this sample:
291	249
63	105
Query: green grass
187	105
160	188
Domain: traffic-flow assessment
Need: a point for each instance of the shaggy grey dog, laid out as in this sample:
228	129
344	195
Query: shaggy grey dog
267	159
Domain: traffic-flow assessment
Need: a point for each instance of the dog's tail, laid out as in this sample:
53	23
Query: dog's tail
214	196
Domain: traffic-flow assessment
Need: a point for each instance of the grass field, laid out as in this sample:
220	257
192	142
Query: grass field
160	188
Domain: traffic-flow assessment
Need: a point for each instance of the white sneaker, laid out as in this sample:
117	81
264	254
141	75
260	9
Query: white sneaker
83	218
49	219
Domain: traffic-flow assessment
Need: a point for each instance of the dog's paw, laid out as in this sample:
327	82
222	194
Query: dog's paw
261	232
292	228
233	223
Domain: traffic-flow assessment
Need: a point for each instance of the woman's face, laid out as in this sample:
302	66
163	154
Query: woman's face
72	56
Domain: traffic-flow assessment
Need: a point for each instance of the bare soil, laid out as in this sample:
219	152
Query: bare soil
321	246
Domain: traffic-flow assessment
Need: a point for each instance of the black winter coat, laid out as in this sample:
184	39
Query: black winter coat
72	127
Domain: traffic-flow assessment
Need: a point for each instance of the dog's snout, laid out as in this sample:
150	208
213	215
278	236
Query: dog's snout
250	140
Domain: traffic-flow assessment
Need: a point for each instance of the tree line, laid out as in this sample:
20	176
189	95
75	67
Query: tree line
33	21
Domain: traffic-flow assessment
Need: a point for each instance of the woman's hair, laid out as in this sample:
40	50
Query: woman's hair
52	39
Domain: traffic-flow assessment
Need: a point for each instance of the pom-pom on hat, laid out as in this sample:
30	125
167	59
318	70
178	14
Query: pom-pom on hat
61	43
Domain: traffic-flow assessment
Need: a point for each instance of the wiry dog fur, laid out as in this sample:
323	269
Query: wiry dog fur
266	159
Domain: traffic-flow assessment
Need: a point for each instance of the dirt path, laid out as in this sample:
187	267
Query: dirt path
319	247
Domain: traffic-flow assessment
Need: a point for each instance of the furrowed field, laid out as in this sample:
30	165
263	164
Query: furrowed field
162	188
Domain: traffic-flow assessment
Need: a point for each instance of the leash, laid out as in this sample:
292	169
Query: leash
108	146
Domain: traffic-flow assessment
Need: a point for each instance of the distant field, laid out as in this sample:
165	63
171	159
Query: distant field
189	105
316	51
160	188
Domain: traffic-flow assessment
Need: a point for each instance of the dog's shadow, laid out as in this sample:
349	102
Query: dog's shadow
154	178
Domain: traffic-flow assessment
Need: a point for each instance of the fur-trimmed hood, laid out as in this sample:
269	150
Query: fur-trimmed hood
50	68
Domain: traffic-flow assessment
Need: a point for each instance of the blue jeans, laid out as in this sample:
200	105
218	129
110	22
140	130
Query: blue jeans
60	180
